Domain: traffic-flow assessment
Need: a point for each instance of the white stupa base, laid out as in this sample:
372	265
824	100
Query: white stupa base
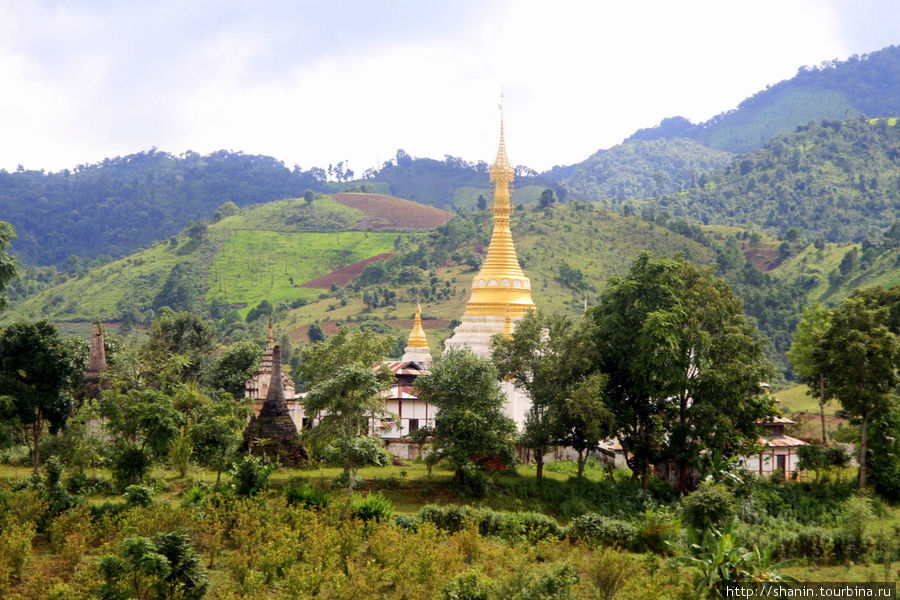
475	333
421	356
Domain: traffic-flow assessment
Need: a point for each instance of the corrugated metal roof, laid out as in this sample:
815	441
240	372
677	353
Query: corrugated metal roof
781	441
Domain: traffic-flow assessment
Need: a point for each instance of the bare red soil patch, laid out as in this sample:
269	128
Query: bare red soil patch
388	213
426	323
343	275
764	258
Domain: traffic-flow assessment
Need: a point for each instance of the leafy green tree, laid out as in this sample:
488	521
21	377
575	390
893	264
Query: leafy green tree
35	367
218	432
584	418
684	365
884	466
234	367
315	333
178	341
8	263
345	391
165	567
471	427
542	358
145	423
815	321
859	354
547	198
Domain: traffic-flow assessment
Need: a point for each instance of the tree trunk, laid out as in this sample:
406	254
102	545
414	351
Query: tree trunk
645	476
681	486
822	406
863	450
582	458
36	429
539	463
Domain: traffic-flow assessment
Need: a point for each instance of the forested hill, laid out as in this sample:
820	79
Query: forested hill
638	169
867	85
449	183
839	181
124	203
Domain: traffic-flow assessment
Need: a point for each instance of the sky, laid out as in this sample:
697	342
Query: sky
313	82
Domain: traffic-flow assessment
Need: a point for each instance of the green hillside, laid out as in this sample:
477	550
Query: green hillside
243	259
832	180
638	169
866	85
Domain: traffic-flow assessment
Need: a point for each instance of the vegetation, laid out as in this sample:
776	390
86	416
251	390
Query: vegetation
684	366
833	180
117	206
866	85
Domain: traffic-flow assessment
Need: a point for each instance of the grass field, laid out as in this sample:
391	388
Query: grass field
257	265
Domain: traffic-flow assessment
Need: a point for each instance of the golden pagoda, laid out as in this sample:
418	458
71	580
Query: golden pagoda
501	294
501	284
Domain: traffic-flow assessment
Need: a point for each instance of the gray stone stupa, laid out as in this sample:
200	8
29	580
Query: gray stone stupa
272	432
91	381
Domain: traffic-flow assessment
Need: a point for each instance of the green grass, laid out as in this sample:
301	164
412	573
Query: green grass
257	265
295	214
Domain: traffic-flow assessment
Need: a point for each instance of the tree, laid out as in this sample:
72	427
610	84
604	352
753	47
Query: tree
859	354
218	432
315	333
584	418
145	423
547	198
543	359
8	263
814	322
34	370
684	365
178	341
345	391
471	427
482	202
234	367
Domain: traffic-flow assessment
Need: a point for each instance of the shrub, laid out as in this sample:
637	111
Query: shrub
138	495
303	494
450	518
250	475
596	529
468	586
194	496
658	529
711	505
373	507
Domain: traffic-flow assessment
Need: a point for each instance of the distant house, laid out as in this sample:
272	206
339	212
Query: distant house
780	451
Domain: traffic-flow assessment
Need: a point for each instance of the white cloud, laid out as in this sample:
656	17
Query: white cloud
578	76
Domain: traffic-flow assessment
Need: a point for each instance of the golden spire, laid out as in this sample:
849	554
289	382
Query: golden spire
501	282
417	336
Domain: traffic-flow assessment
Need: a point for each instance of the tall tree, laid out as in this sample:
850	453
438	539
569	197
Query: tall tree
684	365
541	358
859	354
8	264
471	427
34	370
345	391
813	324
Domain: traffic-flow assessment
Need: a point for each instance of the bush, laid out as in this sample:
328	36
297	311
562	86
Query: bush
451	518
468	586
138	495
129	464
711	505
373	507
250	475
596	529
303	494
